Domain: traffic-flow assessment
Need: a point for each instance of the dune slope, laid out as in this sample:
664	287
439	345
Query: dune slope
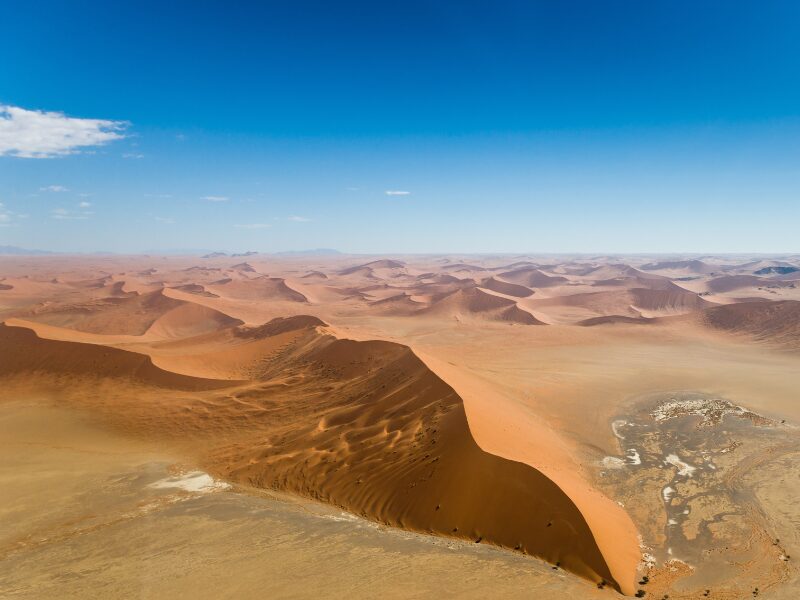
363	425
774	322
22	351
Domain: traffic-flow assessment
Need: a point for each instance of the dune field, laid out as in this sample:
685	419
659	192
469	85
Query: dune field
572	426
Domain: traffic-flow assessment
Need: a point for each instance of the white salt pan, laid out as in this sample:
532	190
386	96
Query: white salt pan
684	469
667	493
194	481
633	457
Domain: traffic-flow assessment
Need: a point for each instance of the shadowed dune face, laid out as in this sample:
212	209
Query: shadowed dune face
127	316
509	289
532	278
395	446
772	322
413	391
22	351
475	302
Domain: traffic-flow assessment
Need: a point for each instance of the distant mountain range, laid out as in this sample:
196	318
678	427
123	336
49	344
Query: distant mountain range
314	252
16	250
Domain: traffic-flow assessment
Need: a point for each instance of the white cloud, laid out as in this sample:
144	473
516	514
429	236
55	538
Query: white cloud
84	204
397	193
215	198
132	155
39	134
166	220
54	188
8	218
297	219
253	225
62	214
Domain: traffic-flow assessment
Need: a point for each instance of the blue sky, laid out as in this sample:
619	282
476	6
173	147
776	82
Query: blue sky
510	126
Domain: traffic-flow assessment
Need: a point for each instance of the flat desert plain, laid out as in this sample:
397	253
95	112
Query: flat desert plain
404	426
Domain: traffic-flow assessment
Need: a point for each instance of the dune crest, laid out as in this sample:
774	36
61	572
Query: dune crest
363	425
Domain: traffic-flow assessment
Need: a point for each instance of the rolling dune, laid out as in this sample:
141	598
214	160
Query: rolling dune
533	277
774	322
509	289
476	302
364	425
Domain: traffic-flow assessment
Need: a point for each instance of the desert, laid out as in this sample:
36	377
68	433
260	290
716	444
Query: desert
407	300
621	426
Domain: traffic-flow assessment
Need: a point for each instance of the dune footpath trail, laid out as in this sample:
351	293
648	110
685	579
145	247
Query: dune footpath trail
363	425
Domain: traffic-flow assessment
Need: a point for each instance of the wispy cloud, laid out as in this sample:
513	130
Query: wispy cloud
253	225
54	188
166	220
39	134
158	196
397	193
64	214
132	155
297	219
216	198
9	218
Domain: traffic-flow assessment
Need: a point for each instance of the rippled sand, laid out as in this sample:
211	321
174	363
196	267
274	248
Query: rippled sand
86	513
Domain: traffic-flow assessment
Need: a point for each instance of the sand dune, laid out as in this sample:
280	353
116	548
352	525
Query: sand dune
391	442
22	352
631	303
730	283
777	270
369	269
476	302
195	288
532	277
128	316
189	320
400	451
773	322
134	315
259	288
509	289
685	266
651	282
672	301
613	319
399	304
464	267
243	267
